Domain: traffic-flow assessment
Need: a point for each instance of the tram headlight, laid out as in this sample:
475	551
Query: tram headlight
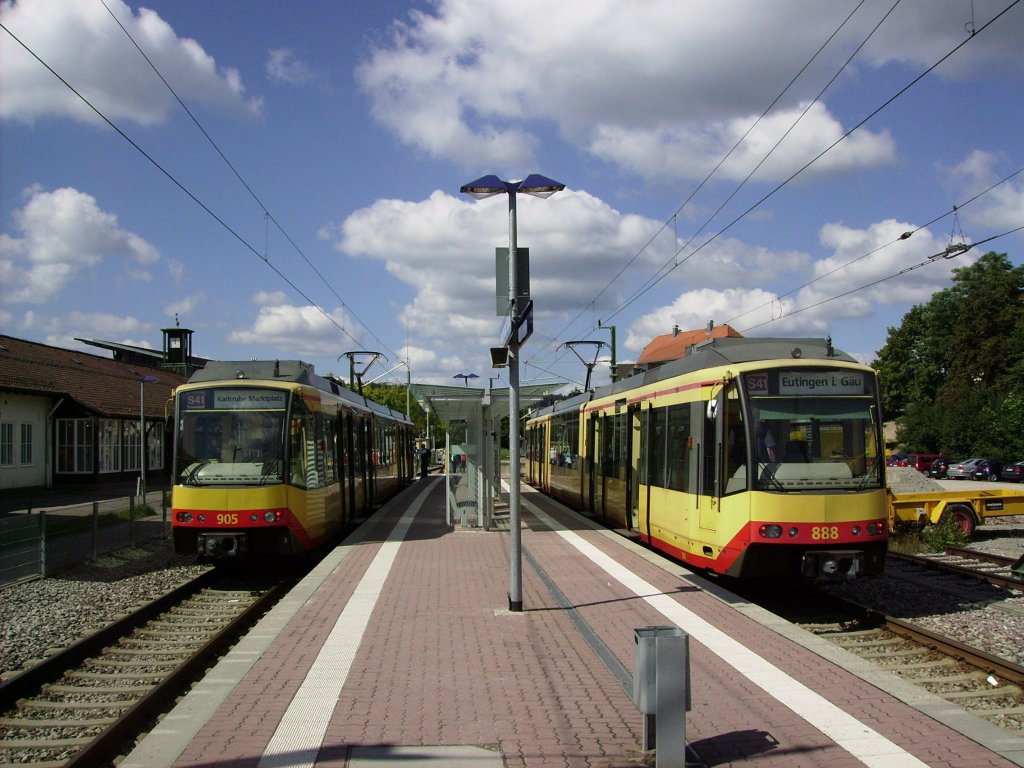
794	532
201	517
855	530
875	528
270	516
254	517
184	517
770	531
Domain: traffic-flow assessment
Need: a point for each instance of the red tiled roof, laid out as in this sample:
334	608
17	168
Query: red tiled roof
108	387
669	347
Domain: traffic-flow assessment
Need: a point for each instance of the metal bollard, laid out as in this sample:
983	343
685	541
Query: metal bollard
661	691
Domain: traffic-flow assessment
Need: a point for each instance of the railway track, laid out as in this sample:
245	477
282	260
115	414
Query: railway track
925	622
954	632
984	684
80	707
994	569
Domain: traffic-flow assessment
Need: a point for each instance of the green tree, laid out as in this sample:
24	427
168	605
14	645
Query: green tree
952	373
394	397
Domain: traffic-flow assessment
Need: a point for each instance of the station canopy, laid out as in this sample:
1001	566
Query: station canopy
455	403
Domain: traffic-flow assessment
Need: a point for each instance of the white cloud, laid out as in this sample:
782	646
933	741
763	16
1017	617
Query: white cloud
576	244
284	68
63	233
693	309
176	269
269	298
656	91
81	42
1001	207
300	331
861	275
690	151
184	307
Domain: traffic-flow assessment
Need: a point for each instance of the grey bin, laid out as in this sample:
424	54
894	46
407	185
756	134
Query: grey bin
661	690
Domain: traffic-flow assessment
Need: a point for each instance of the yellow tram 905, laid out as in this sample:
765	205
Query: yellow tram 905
271	458
748	457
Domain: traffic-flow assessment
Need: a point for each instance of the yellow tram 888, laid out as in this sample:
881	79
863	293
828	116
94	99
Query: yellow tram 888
748	457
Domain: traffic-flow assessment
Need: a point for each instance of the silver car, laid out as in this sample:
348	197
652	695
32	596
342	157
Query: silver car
961	470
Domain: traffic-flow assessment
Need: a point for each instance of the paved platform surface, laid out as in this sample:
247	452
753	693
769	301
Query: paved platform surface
399	650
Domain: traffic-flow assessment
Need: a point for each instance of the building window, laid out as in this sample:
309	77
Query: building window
110	445
131	446
7	444
74	446
154	446
27	454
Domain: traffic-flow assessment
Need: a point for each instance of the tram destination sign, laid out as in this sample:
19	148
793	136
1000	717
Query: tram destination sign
806	382
233	399
821	383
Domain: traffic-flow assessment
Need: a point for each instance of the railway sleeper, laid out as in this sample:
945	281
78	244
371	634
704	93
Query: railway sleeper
84	690
136	663
891	653
24	722
161	638
101	676
158	642
76	742
991	693
838	637
143	652
924	666
44	705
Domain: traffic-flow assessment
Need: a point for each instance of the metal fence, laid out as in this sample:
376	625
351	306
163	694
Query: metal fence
38	542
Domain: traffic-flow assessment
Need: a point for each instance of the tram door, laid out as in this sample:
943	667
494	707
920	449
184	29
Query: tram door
633	468
594	473
710	457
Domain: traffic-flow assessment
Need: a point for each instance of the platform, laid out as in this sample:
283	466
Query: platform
399	650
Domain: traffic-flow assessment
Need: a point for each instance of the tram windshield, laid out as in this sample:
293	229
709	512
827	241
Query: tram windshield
231	436
813	430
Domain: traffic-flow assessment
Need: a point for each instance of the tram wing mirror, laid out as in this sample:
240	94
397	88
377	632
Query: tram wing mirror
712	409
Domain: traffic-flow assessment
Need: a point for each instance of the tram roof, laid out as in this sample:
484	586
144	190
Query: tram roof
711	354
286	372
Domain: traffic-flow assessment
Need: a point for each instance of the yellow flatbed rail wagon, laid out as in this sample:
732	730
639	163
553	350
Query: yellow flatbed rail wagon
968	509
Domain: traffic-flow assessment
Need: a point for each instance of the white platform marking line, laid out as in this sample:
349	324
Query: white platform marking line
864	743
299	735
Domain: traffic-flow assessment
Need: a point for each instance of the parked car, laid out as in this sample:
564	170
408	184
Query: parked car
895	459
919	461
987	469
1013	473
938	468
961	470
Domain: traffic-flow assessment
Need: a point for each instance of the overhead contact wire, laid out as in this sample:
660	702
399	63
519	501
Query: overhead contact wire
244	183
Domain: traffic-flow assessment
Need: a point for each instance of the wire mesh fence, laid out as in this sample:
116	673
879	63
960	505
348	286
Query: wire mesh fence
34	543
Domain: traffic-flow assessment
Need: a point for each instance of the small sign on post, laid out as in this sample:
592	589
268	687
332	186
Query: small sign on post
502	291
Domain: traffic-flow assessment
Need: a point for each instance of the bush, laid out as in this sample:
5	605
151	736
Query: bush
944	534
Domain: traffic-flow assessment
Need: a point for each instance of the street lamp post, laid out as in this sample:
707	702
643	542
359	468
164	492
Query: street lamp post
538	186
142	434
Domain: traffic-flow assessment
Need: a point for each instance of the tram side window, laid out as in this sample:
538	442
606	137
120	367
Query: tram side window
668	464
565	437
329	442
655	464
614	437
297	430
678	449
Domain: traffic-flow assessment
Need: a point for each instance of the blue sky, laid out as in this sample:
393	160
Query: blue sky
325	215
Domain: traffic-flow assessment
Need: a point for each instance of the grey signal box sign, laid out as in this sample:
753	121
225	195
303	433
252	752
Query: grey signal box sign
503	291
